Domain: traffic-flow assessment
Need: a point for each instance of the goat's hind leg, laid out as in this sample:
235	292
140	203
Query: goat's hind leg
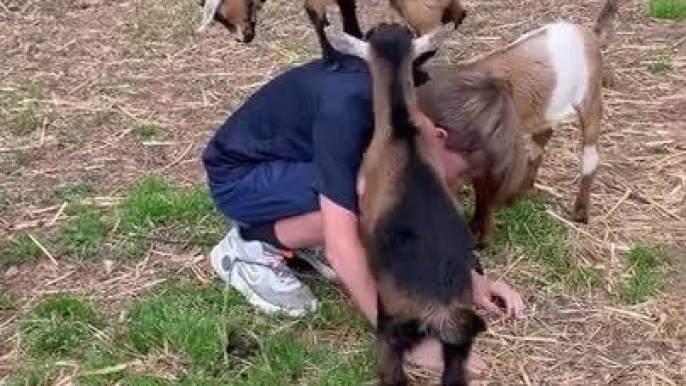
589	123
456	351
394	339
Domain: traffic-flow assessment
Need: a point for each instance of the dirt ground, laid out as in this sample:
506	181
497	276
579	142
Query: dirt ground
95	69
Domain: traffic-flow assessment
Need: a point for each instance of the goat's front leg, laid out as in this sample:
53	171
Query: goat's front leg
539	141
351	25
483	210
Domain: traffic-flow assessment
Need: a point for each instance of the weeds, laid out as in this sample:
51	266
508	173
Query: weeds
645	278
59	326
667	9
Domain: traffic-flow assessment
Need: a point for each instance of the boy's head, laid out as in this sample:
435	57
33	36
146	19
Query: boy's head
476	118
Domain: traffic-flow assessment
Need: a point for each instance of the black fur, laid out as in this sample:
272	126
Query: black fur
423	241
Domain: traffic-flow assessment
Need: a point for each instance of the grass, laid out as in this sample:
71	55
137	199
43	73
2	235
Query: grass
147	131
660	65
17	250
73	191
190	334
528	229
8	301
84	232
172	22
21	111
645	278
59	326
667	9
153	202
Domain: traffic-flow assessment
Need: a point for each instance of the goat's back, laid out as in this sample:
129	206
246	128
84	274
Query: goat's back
422	243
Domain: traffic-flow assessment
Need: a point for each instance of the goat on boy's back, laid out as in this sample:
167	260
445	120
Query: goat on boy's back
418	245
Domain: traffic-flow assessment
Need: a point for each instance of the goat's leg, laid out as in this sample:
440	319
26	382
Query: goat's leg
351	25
319	21
539	141
394	339
589	122
483	211
455	358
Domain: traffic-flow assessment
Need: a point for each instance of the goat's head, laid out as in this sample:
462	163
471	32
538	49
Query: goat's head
453	13
237	16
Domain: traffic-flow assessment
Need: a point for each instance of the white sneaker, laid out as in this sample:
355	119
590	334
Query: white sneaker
258	271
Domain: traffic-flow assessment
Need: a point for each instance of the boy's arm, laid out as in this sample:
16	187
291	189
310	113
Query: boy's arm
346	255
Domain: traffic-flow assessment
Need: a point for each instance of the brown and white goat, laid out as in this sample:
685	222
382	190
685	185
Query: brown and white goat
554	74
422	15
418	245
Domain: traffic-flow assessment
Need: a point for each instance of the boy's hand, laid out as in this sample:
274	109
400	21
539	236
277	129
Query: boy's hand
487	292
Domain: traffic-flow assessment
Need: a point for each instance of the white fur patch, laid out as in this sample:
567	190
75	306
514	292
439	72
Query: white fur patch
348	44
208	11
567	54
589	160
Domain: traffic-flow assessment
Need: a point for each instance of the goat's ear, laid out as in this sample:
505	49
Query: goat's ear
348	44
430	40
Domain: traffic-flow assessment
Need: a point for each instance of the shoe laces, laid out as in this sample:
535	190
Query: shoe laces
276	265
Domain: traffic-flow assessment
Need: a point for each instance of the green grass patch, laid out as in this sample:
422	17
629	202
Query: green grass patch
84	232
667	9
147	131
18	250
645	276
73	191
154	202
8	301
660	65
20	110
528	229
59	326
33	374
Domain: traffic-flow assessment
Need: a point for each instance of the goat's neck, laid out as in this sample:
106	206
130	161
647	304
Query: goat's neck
391	102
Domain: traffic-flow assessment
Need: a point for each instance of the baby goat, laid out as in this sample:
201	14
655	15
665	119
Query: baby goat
554	73
418	245
422	15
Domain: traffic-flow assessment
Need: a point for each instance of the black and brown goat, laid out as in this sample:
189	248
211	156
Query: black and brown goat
553	74
419	247
240	16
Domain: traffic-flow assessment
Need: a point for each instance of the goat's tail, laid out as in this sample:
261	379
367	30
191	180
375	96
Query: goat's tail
604	25
459	324
209	9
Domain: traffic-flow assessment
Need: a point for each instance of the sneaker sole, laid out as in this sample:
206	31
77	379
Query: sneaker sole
237	283
320	267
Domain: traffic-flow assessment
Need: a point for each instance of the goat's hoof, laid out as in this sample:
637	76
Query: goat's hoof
332	65
580	215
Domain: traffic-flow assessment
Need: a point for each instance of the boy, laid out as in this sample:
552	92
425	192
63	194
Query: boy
284	169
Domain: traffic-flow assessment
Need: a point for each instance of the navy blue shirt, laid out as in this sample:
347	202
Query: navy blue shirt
306	114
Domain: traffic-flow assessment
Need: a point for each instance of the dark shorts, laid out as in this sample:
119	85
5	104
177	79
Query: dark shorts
269	192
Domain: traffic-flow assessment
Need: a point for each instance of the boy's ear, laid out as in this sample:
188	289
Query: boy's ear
441	133
347	44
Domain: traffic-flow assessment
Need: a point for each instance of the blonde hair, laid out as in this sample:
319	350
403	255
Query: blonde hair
478	113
